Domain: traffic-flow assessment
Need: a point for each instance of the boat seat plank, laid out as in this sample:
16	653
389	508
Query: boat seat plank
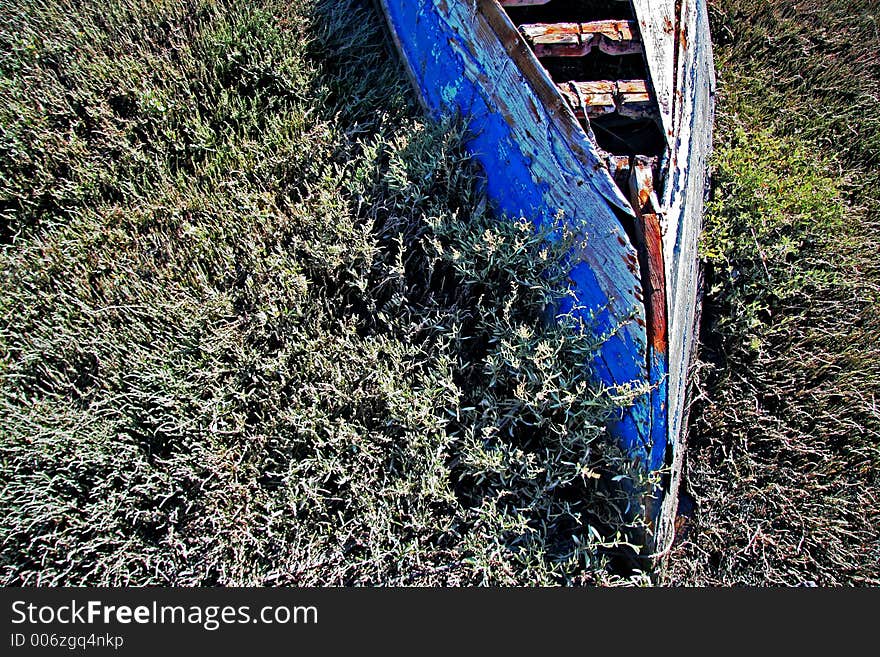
629	98
612	37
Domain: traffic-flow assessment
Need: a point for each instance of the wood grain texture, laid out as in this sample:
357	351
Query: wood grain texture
684	199
580	39
657	23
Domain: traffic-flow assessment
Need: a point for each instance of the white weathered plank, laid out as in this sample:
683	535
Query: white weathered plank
685	198
656	20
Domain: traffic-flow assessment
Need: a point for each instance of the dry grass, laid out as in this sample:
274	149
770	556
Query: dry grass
784	459
256	326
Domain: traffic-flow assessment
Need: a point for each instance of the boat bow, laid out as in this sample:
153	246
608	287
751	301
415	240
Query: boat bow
638	216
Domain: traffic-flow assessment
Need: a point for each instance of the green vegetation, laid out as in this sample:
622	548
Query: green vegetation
785	449
256	327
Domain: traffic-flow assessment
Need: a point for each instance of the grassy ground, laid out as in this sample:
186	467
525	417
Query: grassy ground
256	327
785	455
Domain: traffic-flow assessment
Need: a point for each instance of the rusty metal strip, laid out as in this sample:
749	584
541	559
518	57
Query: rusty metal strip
649	244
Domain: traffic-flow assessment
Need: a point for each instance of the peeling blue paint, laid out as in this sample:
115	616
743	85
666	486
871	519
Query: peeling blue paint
433	51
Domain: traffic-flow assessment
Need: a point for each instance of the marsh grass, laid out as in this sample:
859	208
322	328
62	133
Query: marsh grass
785	449
258	327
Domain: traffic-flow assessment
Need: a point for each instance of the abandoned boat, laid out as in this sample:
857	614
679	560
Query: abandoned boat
601	110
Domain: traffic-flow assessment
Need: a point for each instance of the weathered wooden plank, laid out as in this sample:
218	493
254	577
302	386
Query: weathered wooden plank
580	39
684	200
630	98
656	20
467	59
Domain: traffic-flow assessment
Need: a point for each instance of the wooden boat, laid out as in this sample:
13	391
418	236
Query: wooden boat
601	110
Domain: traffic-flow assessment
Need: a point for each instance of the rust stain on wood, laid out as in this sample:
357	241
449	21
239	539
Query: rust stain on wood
649	244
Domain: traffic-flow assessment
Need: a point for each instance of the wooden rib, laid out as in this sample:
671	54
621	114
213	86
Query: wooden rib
590	99
619	168
579	39
630	98
649	243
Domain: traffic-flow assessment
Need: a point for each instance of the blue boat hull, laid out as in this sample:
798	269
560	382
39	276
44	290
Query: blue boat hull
467	60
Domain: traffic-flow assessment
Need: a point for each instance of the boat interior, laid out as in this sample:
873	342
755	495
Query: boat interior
592	51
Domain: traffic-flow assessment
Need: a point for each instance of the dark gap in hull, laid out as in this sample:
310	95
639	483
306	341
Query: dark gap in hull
574	11
620	135
595	66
